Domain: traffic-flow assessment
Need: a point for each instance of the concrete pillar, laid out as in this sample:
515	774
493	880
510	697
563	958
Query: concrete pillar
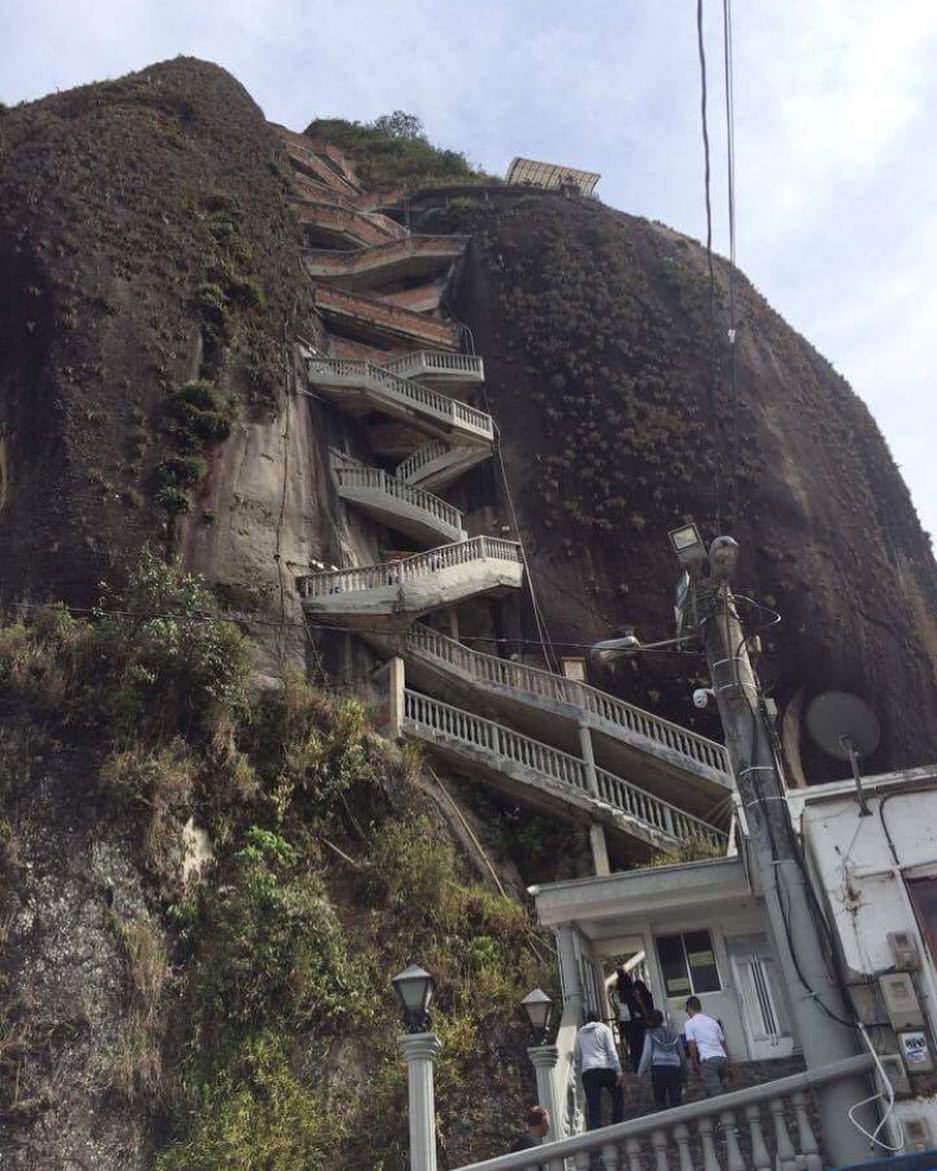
396	683
585	748
453	616
599	848
420	1050
573	994
544	1059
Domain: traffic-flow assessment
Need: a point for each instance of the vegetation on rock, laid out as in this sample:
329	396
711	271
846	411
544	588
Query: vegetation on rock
331	872
394	151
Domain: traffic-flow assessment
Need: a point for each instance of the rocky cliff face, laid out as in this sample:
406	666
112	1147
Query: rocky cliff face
594	326
150	302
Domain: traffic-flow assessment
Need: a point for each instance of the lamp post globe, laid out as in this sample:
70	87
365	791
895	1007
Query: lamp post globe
414	988
537	1005
723	556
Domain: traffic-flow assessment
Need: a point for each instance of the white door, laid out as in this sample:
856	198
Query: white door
764	1015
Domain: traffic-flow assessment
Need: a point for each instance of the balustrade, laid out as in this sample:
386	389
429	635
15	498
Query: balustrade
733	1132
556	688
428	362
369	577
376	480
382	383
474	732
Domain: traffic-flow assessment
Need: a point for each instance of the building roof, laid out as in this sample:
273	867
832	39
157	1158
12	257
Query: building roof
553	176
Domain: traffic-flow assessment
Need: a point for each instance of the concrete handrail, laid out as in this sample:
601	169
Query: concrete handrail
436	361
355	259
379	481
369	577
500	741
425	454
381	313
787	1140
381	382
545	685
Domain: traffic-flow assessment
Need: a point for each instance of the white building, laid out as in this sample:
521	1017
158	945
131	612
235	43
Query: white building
703	930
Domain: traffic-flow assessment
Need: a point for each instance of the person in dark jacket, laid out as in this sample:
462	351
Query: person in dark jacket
665	1060
633	1004
538	1123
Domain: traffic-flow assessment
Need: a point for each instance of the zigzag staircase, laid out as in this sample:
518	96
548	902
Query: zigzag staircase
396	366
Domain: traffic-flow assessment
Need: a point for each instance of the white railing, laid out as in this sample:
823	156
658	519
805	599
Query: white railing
382	383
375	480
559	767
437	362
370	577
543	685
356	259
762	1128
427	453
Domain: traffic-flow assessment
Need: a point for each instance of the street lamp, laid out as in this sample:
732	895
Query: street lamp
688	546
537	1005
415	987
723	556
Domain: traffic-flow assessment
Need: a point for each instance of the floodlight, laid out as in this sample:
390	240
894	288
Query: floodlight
688	546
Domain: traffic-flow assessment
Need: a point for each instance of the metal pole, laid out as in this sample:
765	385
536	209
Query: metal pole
420	1050
820	1014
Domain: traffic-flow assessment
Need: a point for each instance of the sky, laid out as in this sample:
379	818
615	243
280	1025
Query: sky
835	101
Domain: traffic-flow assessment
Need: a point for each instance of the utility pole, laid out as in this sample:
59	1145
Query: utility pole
821	1017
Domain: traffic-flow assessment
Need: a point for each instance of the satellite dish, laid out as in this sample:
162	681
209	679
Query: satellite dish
843	725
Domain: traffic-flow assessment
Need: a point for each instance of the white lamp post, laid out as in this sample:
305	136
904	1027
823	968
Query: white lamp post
414	988
543	1056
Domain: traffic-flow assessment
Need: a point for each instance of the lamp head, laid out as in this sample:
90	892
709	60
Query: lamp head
537	1005
612	648
688	547
414	988
723	557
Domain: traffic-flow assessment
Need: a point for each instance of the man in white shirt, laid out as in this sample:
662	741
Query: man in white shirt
707	1045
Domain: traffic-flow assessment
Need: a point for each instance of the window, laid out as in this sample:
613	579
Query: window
923	893
688	963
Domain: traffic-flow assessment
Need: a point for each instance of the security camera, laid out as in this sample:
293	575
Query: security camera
703	696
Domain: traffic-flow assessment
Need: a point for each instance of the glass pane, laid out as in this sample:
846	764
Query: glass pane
673	965
924	896
702	961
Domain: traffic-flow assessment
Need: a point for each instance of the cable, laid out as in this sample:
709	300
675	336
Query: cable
717	475
732	330
546	642
888	1096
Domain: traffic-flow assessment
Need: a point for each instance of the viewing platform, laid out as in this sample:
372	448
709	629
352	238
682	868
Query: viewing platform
404	259
546	778
451	372
436	464
671	761
360	387
370	319
393	502
391	595
343	227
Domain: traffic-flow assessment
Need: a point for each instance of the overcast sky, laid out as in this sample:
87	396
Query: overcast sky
835	106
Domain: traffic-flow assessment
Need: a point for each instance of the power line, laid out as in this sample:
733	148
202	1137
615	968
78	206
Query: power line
717	477
733	329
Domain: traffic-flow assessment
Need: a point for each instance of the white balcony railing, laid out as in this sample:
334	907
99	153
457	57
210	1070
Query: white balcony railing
426	363
633	722
378	481
763	1127
382	384
370	577
560	769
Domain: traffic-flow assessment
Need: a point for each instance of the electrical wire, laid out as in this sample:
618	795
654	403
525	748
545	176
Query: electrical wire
888	1096
717	475
732	332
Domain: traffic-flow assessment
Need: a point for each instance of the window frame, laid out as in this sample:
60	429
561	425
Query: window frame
688	968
